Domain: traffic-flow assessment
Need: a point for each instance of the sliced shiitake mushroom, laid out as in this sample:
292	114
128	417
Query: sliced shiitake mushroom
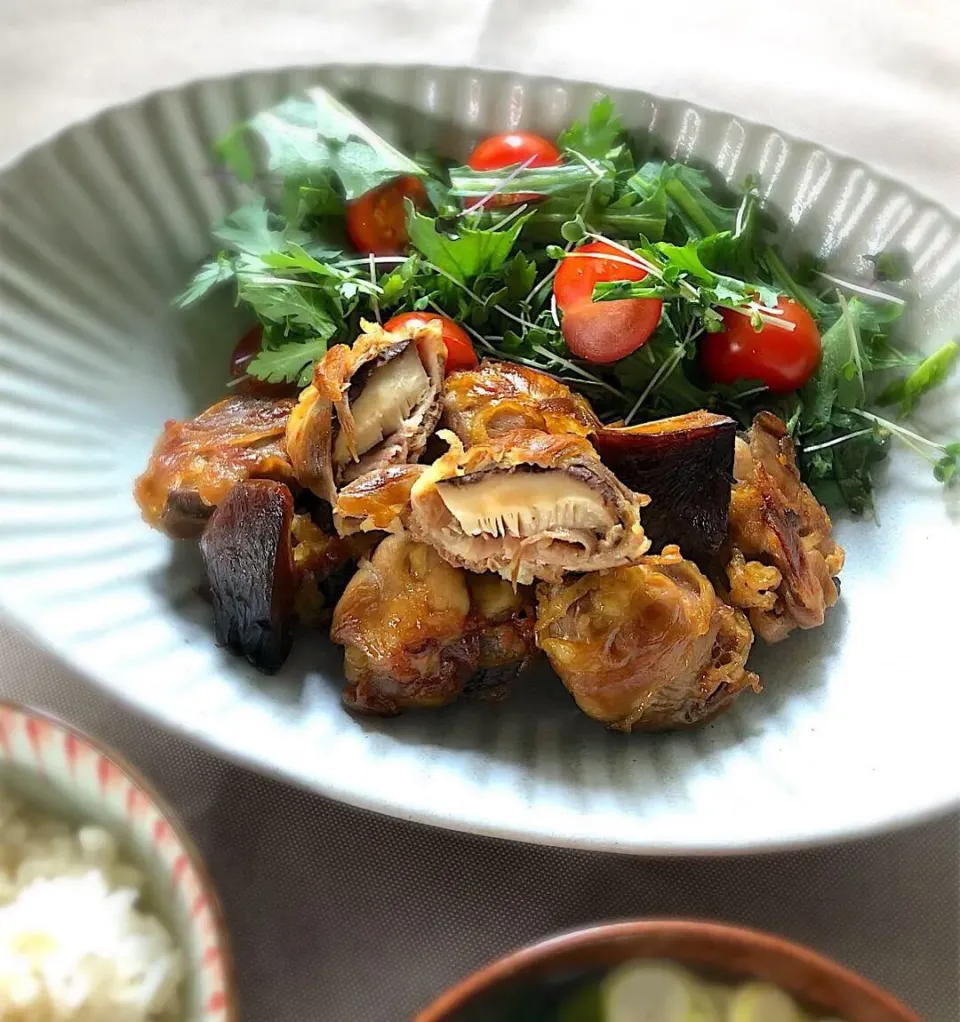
369	406
527	505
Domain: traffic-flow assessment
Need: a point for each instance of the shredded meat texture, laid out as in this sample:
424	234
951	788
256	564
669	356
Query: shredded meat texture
369	406
528	505
646	647
782	561
499	397
197	462
378	501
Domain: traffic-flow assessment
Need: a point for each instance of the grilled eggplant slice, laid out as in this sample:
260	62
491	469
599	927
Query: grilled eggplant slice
782	560
196	463
499	397
368	407
648	647
685	464
252	578
527	505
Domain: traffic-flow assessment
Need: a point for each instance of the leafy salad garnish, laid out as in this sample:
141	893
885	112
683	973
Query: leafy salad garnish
490	267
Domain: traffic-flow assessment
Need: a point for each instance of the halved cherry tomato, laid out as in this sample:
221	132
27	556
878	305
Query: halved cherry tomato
579	271
508	149
782	359
376	222
247	349
602	331
460	353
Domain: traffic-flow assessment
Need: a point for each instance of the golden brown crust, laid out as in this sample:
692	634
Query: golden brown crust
195	463
418	632
500	397
782	559
645	647
377	501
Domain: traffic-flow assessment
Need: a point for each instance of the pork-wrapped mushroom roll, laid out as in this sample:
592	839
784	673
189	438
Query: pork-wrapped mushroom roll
649	647
369	406
500	397
527	506
783	561
418	632
197	462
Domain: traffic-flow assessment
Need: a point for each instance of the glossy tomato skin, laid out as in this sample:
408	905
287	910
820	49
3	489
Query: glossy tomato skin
784	360
602	331
460	353
578	273
376	222
509	149
247	349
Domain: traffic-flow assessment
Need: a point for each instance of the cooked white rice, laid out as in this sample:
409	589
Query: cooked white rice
73	945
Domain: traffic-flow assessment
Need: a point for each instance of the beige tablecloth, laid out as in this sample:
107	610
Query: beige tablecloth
341	916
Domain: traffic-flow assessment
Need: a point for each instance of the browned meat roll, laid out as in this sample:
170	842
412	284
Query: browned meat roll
197	462
527	505
499	397
783	561
369	406
646	647
418	632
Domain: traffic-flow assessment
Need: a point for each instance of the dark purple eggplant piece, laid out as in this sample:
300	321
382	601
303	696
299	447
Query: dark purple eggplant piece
248	554
685	465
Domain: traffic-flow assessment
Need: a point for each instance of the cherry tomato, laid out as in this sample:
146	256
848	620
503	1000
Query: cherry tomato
602	331
376	222
575	277
608	331
247	349
460	353
782	359
509	149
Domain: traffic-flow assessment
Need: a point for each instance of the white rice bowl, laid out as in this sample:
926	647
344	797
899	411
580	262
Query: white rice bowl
76	943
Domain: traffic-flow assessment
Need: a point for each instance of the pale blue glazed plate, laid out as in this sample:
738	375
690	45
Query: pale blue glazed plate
856	727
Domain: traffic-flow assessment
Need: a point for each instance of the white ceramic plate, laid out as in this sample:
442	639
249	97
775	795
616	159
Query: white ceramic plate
856	727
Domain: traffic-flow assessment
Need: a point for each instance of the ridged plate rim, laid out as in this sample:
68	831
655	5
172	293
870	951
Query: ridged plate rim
347	792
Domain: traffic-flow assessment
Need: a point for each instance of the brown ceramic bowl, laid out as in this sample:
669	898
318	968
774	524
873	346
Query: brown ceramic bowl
823	985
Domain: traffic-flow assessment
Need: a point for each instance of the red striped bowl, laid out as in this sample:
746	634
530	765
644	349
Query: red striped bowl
54	767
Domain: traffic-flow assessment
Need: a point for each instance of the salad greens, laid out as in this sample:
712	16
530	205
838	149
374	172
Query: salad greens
490	268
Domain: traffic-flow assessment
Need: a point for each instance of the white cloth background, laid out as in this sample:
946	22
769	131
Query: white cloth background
342	916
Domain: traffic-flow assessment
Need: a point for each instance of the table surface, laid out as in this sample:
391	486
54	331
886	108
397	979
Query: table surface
339	914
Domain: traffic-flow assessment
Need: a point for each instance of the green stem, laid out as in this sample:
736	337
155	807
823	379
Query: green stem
682	197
